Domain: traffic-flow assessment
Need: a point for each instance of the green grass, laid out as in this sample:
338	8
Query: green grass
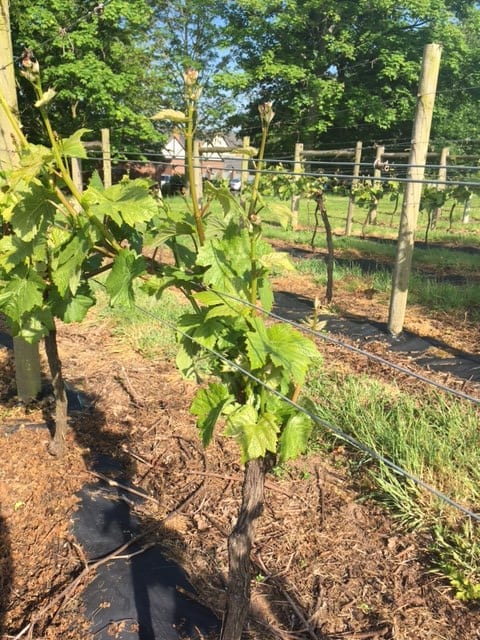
147	327
433	437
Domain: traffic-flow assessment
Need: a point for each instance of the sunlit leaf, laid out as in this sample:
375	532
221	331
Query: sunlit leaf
170	114
208	405
73	146
119	283
294	437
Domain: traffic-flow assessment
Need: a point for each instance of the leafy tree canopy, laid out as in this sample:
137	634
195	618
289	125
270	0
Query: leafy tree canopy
191	34
338	71
98	60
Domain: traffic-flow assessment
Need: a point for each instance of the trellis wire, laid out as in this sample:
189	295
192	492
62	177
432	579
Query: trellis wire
357	444
339	343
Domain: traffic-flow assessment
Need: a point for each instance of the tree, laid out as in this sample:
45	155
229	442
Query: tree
340	70
190	34
98	60
456	120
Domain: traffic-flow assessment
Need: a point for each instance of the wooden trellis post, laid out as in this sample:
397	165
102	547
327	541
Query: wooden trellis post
104	145
297	170
26	355
413	190
442	178
351	198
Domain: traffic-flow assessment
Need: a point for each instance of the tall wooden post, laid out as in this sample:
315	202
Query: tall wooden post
245	159
8	153
413	190
107	158
351	198
297	170
27	358
442	178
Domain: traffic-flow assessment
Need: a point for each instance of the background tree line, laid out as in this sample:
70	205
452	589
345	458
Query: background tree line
336	70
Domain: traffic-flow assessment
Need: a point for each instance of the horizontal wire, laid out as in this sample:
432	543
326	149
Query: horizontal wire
357	444
339	343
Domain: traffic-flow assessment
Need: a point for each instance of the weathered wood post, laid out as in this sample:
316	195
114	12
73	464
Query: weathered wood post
351	198
297	170
413	190
107	158
26	355
442	178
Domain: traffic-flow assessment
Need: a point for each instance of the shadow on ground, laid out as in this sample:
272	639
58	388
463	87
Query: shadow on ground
139	593
464	365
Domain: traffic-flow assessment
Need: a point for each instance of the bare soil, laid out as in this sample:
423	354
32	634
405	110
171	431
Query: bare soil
327	564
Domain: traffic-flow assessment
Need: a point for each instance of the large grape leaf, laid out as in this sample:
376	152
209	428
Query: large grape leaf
67	264
228	261
72	308
208	405
32	208
119	283
13	251
286	347
294	437
73	146
21	294
127	202
256	434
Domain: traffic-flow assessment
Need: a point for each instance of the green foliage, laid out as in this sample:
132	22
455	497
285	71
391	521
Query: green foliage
92	58
223	267
342	70
54	238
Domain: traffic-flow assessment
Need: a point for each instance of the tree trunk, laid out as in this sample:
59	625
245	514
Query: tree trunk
57	444
329	236
240	544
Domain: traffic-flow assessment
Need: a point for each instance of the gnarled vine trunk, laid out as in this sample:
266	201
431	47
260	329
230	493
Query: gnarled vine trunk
240	544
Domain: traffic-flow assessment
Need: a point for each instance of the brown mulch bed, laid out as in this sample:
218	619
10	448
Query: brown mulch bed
327	563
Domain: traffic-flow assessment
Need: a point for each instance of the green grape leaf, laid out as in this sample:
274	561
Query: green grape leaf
127	202
20	295
67	264
13	252
73	146
294	437
72	308
208	405
32	160
119	283
277	261
34	206
256	435
284	346
277	212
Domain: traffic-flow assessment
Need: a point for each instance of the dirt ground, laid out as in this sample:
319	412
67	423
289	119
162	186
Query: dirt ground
327	565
